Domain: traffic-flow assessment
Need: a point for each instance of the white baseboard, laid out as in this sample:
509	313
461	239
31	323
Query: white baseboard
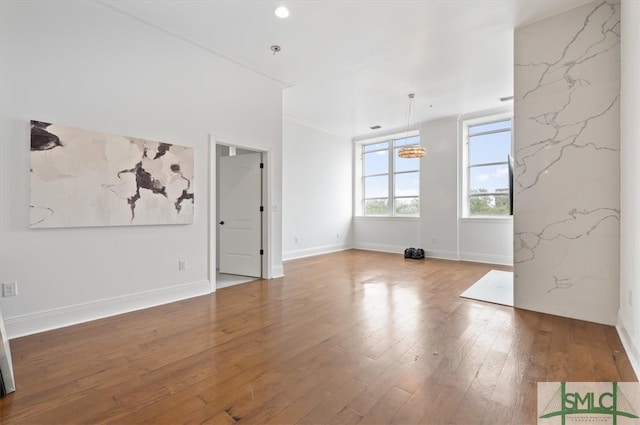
429	253
309	252
629	347
32	323
395	249
441	254
504	260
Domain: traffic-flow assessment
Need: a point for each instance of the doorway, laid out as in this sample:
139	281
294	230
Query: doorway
239	215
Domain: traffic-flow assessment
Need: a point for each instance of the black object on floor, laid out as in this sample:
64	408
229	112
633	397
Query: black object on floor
414	253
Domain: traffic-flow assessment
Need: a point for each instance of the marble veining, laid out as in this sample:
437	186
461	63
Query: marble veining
565	76
582	47
569	135
576	225
566	157
560	283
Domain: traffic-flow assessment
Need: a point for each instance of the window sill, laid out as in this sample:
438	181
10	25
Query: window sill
487	219
384	218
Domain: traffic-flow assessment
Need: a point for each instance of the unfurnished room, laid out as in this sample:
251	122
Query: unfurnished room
319	212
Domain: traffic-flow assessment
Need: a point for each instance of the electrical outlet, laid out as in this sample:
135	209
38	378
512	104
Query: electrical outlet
295	239
434	240
630	297
337	235
10	289
182	265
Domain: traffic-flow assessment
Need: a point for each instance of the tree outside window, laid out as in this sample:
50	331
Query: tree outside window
489	146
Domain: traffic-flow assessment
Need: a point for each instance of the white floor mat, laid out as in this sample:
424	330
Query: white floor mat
494	287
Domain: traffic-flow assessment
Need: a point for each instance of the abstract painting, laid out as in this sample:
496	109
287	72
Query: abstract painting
84	178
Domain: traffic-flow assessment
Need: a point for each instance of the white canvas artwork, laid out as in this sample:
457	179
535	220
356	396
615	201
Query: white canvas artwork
83	178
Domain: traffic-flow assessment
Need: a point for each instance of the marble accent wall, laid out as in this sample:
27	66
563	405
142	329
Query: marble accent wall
567	163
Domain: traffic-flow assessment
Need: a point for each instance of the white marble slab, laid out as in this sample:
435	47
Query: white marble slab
495	287
567	163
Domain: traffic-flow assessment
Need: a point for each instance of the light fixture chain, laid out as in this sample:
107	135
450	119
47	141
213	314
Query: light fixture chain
414	151
409	115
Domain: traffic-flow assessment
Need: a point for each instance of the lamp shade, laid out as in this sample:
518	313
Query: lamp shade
415	151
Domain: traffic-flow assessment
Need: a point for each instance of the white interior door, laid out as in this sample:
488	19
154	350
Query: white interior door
239	223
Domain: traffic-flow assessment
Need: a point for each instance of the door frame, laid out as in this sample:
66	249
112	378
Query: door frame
267	242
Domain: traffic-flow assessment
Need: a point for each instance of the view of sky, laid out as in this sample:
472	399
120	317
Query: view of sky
484	149
487	149
407	182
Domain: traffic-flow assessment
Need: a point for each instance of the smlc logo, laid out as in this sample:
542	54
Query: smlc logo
588	402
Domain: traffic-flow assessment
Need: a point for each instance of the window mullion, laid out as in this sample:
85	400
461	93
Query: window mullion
487	164
392	178
468	212
364	190
483	133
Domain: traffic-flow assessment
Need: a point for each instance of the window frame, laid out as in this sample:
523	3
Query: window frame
360	176
466	167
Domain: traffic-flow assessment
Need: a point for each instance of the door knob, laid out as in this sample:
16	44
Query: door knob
221	223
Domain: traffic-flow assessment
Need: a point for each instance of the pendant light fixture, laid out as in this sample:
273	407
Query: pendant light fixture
414	151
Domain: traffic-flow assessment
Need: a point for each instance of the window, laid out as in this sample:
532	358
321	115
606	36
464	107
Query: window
488	146
390	185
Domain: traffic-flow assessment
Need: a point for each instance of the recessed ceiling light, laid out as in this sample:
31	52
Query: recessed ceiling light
282	12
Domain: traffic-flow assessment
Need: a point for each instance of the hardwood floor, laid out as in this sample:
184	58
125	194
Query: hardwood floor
345	338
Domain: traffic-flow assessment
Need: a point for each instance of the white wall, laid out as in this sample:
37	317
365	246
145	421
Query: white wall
85	65
567	164
486	240
439	189
387	234
629	314
317	213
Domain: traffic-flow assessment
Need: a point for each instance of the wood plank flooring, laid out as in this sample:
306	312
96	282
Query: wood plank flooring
354	337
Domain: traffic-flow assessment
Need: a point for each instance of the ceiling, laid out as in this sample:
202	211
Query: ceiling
349	65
